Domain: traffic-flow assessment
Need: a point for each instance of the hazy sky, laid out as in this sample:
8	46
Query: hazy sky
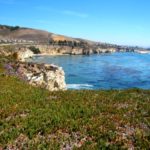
115	21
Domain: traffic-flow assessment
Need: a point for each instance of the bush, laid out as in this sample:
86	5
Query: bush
14	28
34	50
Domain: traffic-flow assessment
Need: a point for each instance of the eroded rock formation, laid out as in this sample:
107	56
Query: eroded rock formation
57	50
22	54
50	77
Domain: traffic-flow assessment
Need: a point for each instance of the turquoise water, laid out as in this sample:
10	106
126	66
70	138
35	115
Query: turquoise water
105	71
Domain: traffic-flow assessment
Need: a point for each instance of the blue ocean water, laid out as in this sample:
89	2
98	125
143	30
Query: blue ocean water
104	71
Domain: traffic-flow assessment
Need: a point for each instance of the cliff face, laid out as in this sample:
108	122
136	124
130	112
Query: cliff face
19	53
71	50
50	77
46	76
24	51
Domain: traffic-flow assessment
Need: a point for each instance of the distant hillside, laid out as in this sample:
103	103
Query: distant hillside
28	34
22	35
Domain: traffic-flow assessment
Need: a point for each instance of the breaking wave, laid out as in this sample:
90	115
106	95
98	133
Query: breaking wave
79	86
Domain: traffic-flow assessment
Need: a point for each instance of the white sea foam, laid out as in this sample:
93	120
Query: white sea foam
79	86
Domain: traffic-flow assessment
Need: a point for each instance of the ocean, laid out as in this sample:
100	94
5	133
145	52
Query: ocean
103	71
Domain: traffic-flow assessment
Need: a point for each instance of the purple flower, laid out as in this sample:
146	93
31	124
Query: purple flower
15	72
8	67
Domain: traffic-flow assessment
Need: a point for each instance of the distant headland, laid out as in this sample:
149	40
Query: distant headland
54	44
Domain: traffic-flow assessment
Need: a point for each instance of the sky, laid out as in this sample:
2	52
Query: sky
124	22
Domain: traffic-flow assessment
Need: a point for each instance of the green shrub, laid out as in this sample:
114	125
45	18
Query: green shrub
14	28
34	50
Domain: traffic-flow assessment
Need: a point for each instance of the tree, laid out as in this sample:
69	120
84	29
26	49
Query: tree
14	28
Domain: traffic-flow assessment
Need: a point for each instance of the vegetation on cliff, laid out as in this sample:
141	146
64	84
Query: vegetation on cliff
33	118
34	50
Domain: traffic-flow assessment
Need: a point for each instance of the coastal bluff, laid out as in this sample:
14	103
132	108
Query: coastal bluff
54	44
47	76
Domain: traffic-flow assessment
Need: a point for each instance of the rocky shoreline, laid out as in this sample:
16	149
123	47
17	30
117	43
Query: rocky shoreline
62	50
48	76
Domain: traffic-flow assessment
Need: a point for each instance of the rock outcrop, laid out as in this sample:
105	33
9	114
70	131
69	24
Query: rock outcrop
24	53
57	50
47	76
20	52
7	50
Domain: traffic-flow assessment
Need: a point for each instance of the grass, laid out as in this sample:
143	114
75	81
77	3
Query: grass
33	118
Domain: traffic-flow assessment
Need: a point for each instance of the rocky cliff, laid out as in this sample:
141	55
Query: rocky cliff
19	53
72	50
46	76
50	77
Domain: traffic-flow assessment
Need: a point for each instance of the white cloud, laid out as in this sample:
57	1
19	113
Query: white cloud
50	22
65	12
76	14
